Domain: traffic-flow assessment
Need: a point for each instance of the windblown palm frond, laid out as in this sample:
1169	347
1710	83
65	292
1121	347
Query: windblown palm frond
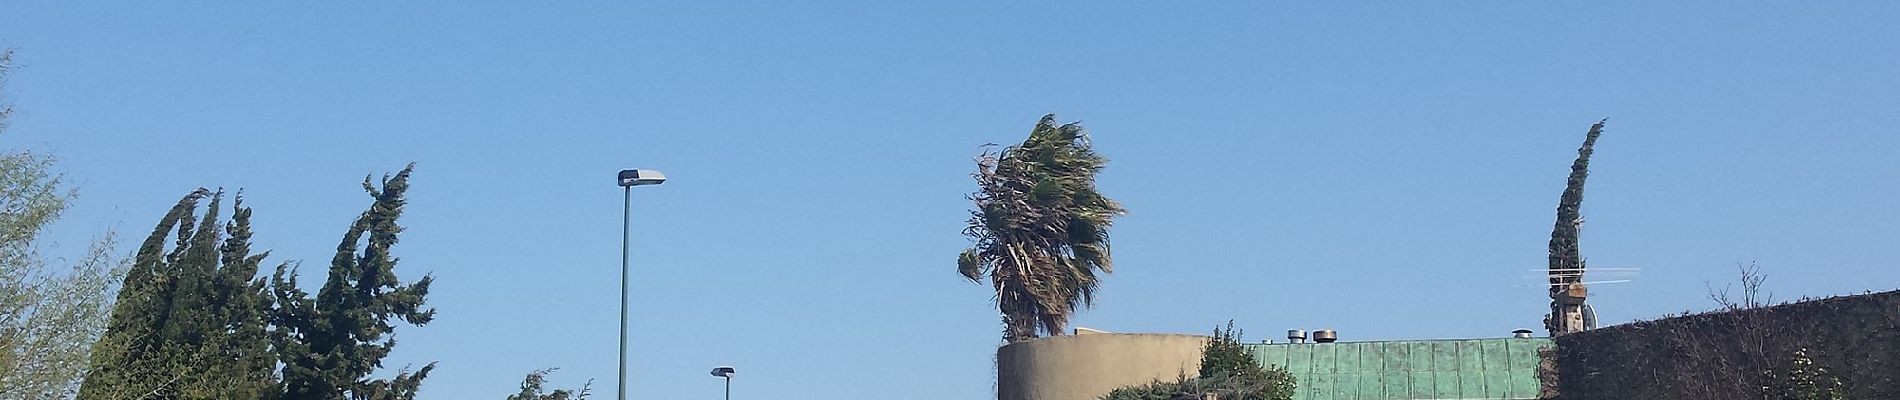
1041	228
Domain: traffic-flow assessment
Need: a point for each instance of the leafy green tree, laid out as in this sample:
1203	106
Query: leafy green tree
49	317
1041	228
1228	371
534	388
49	322
1227	367
190	323
330	344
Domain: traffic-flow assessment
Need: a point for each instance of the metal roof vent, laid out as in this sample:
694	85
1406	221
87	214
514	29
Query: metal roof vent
1521	334
1325	336
1295	336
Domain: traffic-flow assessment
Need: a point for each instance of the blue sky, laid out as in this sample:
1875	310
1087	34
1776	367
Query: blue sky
1388	170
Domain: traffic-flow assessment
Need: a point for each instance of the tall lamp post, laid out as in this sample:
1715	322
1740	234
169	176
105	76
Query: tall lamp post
725	372
628	179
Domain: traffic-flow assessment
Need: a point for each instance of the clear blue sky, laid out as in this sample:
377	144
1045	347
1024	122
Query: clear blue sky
1387	170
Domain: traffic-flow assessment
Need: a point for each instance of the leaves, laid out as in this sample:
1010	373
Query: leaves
1804	380
194	321
49	317
1566	261
331	344
1040	227
1228	371
533	388
191	321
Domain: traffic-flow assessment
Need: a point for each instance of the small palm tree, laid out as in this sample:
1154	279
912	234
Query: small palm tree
1040	227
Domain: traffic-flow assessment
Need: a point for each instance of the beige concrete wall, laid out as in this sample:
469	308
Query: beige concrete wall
1086	367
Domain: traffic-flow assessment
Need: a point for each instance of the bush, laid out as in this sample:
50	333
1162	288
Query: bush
1182	388
1804	381
1227	371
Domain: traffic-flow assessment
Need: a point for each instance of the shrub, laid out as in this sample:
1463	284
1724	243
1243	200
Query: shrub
1227	371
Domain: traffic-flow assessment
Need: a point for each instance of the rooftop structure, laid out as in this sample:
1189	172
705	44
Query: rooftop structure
1088	366
1504	368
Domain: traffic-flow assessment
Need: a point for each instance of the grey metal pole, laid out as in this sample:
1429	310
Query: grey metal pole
728	387
626	231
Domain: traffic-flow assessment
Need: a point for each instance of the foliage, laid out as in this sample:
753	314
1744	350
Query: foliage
331	344
6	71
1566	261
50	323
1804	381
195	322
1181	388
532	388
1228	371
190	322
49	317
1225	354
1041	228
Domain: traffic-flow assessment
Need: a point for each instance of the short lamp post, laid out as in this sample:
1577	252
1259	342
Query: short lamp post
725	372
628	179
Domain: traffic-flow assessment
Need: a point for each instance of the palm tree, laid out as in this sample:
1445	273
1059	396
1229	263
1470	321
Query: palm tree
1040	227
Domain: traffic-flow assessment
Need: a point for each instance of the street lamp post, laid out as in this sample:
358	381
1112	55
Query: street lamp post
628	179
725	372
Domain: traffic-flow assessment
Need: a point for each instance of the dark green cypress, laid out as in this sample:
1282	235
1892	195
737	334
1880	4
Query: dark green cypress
244	305
331	344
186	327
127	360
1566	261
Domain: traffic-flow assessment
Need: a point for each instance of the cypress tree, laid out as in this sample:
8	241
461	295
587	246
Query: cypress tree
244	309
1566	262
196	322
330	344
126	362
186	327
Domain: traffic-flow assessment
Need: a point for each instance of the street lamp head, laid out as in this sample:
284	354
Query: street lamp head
641	177
724	372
